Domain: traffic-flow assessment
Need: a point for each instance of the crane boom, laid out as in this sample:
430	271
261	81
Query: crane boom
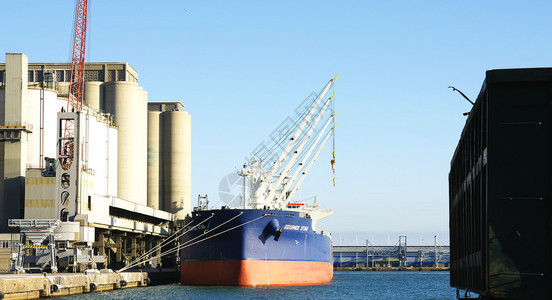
282	196
307	169
258	196
274	186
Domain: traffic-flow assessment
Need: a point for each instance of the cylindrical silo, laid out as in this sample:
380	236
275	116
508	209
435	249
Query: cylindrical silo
176	154
92	94
153	160
102	98
129	107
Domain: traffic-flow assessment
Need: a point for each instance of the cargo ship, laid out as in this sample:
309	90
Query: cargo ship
262	237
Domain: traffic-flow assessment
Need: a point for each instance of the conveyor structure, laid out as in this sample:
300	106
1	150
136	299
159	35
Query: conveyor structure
37	231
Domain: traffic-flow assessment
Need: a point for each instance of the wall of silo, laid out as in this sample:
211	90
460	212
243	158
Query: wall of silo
33	138
2	104
129	107
154	160
92	94
51	108
37	140
176	155
112	139
96	152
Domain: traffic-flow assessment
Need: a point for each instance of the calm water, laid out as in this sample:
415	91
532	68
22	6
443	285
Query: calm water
345	285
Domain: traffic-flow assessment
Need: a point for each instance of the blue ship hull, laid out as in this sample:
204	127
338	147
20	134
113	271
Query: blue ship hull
254	247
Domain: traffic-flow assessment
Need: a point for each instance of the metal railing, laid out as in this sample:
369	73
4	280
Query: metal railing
15	125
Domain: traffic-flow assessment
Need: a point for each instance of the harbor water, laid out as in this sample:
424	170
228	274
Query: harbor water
345	285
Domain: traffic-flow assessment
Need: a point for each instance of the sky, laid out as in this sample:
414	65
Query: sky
241	67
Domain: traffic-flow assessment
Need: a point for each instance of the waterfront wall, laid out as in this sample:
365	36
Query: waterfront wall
33	286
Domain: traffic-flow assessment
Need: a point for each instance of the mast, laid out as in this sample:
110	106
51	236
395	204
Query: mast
244	173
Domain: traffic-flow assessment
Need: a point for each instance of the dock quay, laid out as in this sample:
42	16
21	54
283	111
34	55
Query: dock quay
37	285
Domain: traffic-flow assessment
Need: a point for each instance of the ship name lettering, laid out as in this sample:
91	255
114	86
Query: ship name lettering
291	227
296	227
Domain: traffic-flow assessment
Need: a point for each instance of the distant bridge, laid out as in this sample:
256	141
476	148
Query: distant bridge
396	256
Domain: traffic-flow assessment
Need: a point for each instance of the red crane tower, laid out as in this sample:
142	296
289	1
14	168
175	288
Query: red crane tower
76	85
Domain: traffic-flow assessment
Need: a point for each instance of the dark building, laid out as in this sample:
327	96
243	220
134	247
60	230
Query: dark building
500	186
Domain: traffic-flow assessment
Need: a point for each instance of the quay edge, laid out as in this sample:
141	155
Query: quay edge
34	286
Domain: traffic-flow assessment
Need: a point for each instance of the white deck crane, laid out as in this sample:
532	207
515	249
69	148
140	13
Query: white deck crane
273	188
269	189
283	196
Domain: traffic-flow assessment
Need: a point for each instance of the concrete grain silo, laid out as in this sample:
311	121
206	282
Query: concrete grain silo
154	160
127	103
92	94
176	157
33	111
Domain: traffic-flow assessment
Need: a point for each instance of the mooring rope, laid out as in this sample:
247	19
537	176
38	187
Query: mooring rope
235	227
169	251
163	243
206	232
139	260
211	230
187	244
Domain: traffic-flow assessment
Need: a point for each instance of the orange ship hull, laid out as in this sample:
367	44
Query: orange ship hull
255	272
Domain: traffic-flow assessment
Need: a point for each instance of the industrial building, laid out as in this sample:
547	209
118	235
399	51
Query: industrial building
120	168
500	189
